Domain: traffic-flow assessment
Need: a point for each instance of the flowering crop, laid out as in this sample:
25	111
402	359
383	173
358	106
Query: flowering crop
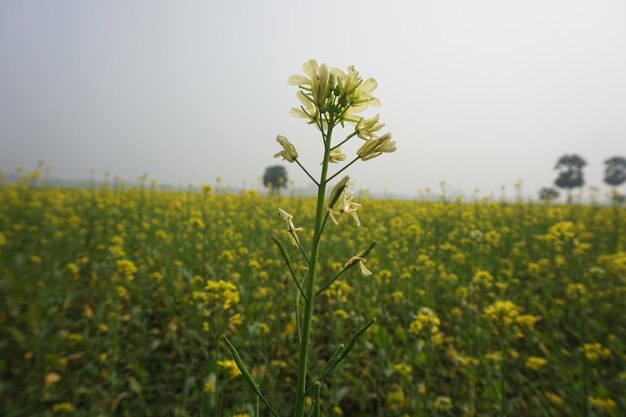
113	302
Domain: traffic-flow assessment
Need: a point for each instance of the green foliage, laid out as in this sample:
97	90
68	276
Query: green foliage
79	328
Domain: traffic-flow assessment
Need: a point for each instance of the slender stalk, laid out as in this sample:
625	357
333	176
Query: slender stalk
306	172
343	169
330	281
297	240
295	279
350	136
310	283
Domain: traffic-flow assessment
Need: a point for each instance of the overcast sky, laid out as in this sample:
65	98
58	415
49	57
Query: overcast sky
476	93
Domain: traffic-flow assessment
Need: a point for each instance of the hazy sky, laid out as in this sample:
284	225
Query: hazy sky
477	93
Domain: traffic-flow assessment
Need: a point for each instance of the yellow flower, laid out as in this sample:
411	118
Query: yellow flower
575	290
527	320
51	379
209	387
595	351
482	278
72	269
343	314
606	405
223	292
535	362
443	404
504	311
63	407
425	319
289	152
230	367
127	268
555	399
376	147
234	321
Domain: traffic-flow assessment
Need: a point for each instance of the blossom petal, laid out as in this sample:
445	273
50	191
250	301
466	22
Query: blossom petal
298	80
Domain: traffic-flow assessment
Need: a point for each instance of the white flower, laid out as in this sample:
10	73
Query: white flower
336	155
317	81
366	128
361	261
307	110
288	218
347	206
289	152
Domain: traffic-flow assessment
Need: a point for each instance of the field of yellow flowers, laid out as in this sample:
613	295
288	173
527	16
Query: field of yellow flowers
114	298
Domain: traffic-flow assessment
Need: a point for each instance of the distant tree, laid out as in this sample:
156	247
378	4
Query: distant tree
275	178
548	194
615	175
570	169
615	172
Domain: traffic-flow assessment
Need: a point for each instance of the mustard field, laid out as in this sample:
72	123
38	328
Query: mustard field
113	301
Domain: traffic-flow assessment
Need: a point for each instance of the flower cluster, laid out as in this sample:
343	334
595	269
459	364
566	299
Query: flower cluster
425	320
331	96
595	351
224	293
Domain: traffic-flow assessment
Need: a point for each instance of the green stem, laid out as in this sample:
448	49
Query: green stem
350	136
297	240
310	283
343	169
306	172
295	279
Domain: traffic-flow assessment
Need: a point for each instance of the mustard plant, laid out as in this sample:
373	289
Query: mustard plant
329	98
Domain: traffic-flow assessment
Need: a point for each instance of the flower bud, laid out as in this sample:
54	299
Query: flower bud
376	147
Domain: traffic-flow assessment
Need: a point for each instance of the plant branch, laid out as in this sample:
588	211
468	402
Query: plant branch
311	277
307	172
295	238
247	376
287	260
343	169
345	268
350	136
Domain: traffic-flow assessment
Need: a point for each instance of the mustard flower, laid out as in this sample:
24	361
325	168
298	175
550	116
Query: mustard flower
366	128
376	147
288	218
289	152
316	81
336	155
347	206
535	362
230	367
358	259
